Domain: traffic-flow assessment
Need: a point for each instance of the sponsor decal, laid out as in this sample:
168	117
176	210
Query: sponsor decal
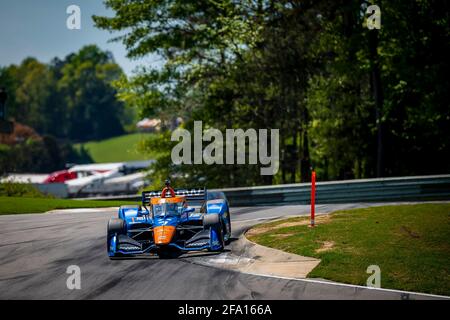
194	215
198	244
129	248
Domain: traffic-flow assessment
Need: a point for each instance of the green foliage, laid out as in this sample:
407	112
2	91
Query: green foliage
12	189
31	204
348	101
85	84
39	156
65	100
69	99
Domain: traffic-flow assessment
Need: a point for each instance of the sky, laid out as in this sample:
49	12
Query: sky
37	28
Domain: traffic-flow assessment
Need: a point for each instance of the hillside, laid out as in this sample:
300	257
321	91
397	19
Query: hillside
117	149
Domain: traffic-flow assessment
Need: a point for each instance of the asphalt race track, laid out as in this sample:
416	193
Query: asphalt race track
36	249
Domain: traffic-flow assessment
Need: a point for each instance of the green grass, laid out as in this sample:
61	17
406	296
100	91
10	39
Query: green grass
118	149
12	189
17	205
410	244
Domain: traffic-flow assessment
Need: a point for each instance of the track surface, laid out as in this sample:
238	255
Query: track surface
36	249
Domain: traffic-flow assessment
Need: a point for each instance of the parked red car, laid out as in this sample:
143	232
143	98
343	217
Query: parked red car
61	176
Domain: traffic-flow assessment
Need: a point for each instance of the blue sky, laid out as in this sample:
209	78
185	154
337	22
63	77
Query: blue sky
37	28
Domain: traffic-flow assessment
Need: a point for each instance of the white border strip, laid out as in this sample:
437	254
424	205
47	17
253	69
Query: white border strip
350	285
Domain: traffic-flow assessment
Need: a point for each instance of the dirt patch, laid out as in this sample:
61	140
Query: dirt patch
283	235
326	246
410	232
303	222
257	231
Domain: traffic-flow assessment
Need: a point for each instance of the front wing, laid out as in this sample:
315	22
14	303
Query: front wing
206	239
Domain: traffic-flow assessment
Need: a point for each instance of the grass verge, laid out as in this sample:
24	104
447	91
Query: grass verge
410	244
117	149
18	205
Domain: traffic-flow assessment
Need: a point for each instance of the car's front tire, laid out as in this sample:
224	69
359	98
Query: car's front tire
213	222
227	242
115	227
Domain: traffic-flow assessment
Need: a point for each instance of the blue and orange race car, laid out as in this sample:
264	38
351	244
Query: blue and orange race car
167	225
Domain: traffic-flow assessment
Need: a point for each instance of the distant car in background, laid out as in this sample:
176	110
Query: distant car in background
92	184
108	178
95	179
81	171
61	176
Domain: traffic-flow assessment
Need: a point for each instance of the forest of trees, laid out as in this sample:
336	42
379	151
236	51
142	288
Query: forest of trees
63	102
349	102
69	99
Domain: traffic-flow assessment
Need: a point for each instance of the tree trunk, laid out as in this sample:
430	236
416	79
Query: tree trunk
375	79
306	162
294	156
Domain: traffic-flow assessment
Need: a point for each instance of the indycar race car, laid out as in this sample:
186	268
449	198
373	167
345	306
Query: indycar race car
166	225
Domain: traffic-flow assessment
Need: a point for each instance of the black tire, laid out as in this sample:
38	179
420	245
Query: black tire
211	221
115	226
225	231
221	236
214	221
228	241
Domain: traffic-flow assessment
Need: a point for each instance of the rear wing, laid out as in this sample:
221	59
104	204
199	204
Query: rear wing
195	195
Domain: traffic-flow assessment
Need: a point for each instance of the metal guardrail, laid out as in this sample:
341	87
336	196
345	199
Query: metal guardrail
58	190
420	188
123	197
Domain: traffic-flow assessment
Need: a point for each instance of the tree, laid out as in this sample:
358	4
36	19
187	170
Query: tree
86	83
348	103
59	102
70	99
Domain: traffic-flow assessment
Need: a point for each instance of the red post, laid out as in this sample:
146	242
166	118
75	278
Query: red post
313	197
